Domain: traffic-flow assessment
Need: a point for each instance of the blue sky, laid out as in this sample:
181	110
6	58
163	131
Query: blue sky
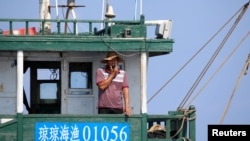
194	23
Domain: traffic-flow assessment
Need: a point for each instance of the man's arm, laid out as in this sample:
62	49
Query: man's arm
105	83
126	101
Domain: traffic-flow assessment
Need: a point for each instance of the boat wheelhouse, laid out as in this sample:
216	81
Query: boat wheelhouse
48	81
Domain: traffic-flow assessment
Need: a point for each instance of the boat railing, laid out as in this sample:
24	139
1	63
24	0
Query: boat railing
39	26
69	28
177	125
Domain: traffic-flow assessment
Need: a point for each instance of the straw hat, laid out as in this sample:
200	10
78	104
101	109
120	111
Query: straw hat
110	56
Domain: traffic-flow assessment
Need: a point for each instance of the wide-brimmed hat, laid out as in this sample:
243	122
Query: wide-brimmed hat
110	56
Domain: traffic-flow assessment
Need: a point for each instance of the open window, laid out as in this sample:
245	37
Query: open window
43	86
80	78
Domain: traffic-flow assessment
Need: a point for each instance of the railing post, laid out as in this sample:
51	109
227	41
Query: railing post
106	27
168	128
74	24
192	124
90	27
19	127
58	27
11	28
43	22
144	136
27	27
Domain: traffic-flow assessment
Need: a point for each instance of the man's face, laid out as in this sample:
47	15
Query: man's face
113	62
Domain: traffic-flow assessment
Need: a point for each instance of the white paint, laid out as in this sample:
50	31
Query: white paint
44	12
19	81
143	82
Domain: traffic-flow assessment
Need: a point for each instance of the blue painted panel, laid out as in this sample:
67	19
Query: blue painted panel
82	131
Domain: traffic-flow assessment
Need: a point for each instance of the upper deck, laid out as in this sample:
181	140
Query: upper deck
129	36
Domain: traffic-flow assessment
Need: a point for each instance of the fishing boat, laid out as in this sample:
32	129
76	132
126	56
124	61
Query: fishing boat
48	90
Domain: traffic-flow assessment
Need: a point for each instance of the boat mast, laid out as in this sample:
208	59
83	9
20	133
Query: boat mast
45	14
136	6
135	9
103	6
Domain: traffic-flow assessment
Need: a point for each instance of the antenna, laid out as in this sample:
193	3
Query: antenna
140	7
57	13
107	4
135	9
103	6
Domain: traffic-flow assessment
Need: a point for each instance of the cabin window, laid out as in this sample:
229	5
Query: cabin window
80	77
42	86
79	80
48	74
48	91
47	79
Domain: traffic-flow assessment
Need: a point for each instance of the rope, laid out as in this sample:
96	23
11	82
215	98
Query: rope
186	139
229	56
235	88
193	56
186	112
213	57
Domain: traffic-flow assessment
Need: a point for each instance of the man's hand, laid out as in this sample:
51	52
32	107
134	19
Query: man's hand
114	69
127	111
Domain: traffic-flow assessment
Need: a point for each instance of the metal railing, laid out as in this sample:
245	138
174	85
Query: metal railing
57	26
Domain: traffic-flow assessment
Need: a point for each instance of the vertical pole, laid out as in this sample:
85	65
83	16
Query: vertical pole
19	81
20	127
192	124
75	22
103	7
140	7
143	82
135	9
19	95
45	14
57	13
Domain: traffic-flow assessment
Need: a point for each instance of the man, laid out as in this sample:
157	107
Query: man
113	87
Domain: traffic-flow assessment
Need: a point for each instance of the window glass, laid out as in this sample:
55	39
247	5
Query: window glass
79	79
80	75
48	91
48	74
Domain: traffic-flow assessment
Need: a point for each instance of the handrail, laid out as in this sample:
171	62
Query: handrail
59	22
